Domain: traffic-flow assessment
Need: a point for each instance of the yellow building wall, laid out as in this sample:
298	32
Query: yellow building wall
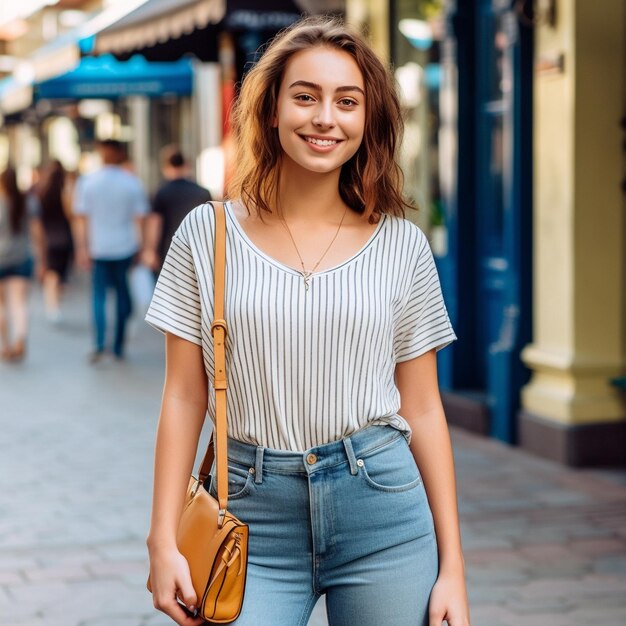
579	274
372	18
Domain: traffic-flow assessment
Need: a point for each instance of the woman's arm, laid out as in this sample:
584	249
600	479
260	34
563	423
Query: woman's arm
421	407
183	411
153	229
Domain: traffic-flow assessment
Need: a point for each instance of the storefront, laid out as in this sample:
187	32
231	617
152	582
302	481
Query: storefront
464	72
223	38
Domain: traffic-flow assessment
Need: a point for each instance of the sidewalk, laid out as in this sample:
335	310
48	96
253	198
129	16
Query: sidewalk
544	546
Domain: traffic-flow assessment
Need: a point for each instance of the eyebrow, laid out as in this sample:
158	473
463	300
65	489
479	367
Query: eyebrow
316	87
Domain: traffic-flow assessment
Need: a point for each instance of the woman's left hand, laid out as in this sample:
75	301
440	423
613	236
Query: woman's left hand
448	601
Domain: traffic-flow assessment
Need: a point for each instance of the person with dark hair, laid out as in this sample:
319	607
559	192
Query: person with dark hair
339	455
19	223
109	207
171	204
52	194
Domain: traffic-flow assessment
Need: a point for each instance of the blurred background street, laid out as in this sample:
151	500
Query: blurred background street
544	545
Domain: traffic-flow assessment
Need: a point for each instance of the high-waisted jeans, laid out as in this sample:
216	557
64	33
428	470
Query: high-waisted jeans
349	519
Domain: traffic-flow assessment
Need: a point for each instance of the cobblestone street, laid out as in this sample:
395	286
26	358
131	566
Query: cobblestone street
545	546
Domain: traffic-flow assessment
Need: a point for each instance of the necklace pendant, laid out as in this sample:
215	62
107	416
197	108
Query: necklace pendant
307	279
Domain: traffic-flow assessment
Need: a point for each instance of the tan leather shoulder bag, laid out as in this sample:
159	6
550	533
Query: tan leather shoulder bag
214	542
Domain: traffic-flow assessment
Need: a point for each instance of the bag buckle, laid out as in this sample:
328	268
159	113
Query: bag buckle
220	517
219	323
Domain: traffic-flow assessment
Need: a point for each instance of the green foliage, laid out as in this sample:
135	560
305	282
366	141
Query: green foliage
437	215
422	9
430	8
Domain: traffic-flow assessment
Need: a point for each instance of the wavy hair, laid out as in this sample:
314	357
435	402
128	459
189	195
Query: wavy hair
370	182
50	192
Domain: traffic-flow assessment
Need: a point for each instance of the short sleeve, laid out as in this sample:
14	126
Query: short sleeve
175	305
423	323
141	206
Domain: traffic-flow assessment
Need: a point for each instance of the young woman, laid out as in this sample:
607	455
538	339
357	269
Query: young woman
19	222
339	453
59	247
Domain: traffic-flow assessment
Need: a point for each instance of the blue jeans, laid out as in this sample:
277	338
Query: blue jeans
349	519
113	274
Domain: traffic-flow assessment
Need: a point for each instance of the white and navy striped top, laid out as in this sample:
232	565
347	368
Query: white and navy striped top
305	367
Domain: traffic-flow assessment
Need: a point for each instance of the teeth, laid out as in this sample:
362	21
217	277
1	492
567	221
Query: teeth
321	142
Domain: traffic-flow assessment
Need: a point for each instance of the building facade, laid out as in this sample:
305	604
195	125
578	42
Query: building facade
514	153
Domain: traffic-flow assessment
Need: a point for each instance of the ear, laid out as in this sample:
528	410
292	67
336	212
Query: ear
275	121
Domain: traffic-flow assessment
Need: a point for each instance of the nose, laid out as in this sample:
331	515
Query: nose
324	115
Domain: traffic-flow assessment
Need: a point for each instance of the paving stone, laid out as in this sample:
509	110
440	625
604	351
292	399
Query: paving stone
553	604
118	568
66	572
598	547
495	575
613	564
546	553
600	616
10	577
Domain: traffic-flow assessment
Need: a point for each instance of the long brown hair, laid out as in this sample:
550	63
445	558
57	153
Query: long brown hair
371	181
17	200
50	192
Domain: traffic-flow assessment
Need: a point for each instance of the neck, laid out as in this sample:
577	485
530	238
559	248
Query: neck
306	196
174	174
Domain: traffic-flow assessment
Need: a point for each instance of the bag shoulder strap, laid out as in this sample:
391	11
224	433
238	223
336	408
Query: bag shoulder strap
218	444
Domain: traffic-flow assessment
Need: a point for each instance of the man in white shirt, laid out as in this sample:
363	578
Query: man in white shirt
110	205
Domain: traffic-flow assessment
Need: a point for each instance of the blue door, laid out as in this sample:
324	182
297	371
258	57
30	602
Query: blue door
503	210
486	276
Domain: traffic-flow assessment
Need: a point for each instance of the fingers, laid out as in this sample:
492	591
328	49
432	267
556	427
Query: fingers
436	618
187	595
180	614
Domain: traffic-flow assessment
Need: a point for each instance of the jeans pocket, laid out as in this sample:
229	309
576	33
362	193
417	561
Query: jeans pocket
240	483
391	468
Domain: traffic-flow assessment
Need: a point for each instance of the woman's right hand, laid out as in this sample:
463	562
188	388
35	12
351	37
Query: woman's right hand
171	581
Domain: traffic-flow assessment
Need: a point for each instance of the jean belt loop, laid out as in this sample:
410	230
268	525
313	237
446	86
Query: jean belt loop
347	444
258	465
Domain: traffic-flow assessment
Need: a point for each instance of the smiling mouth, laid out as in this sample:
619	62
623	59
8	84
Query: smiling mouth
321	142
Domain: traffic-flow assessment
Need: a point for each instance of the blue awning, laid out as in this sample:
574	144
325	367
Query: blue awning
107	78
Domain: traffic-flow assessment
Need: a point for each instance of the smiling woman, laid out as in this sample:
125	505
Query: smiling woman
336	434
330	68
323	116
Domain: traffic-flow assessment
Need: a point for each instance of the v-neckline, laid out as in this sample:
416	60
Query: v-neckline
287	268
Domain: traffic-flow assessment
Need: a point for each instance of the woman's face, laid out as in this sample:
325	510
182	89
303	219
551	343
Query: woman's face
320	113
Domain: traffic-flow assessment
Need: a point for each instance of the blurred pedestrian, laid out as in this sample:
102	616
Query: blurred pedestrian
55	212
171	204
20	228
109	206
339	453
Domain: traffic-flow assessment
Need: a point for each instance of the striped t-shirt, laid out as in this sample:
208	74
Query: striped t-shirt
305	367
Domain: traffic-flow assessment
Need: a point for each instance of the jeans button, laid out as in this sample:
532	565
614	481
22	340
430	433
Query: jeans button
311	459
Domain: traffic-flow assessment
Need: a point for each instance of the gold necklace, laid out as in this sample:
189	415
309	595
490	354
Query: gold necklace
306	274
